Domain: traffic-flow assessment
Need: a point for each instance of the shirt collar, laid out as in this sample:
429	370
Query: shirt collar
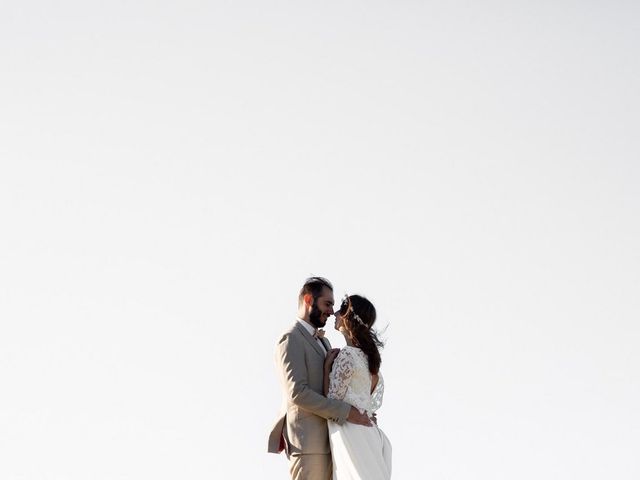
308	327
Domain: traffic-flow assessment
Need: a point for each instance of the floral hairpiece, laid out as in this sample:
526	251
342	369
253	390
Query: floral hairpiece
355	315
358	319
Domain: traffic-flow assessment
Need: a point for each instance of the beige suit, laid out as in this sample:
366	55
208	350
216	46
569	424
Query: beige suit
301	429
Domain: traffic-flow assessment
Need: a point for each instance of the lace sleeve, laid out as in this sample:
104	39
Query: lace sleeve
378	393
341	374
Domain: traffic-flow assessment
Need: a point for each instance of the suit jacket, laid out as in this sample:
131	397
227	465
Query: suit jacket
302	425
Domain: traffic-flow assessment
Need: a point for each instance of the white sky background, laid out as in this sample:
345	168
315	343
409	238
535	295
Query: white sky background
172	171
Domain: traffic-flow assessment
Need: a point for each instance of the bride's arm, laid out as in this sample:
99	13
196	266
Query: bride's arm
328	363
342	361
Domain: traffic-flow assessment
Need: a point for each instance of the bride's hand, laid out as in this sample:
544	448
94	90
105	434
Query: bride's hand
331	356
328	363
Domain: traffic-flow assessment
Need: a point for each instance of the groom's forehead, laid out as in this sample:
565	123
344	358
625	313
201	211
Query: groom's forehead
327	295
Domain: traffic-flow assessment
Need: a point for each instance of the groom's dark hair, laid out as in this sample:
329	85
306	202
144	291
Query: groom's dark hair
314	286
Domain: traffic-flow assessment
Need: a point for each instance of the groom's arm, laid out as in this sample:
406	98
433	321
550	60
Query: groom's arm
291	361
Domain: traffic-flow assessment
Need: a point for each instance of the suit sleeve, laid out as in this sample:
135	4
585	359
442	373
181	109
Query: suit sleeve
291	361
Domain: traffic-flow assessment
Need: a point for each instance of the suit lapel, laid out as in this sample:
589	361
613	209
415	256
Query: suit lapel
312	341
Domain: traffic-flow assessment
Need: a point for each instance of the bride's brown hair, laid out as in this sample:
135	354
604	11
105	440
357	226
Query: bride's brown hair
359	315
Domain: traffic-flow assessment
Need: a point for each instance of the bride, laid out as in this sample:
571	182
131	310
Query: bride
352	374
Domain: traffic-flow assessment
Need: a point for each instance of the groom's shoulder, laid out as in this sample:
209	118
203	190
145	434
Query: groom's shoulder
291	332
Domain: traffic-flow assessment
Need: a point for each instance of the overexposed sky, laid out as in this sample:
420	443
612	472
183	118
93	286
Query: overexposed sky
171	172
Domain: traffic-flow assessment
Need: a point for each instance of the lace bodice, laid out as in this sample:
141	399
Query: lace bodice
350	380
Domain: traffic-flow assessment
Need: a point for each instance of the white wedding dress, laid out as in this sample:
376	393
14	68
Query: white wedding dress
359	452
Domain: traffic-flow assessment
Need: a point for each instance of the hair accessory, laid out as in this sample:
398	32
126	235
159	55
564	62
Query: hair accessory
358	319
355	315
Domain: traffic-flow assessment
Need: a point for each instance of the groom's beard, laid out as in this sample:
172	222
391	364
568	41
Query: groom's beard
315	317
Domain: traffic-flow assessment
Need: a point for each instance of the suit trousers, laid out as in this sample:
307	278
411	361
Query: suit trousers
311	466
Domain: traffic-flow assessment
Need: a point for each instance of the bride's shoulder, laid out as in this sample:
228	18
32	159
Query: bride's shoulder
351	352
348	351
345	350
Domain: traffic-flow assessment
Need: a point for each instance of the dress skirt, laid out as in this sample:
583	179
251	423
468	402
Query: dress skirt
359	452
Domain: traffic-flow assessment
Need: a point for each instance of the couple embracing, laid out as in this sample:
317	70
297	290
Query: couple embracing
328	427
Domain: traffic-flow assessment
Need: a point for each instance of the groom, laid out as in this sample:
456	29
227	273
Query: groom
301	429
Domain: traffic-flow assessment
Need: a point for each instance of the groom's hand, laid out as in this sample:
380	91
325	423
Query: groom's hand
358	418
